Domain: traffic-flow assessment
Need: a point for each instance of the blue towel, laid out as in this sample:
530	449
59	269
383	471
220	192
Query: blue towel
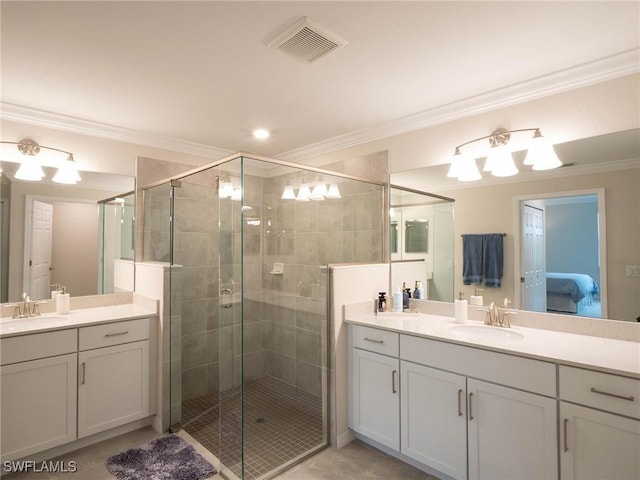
472	259
492	259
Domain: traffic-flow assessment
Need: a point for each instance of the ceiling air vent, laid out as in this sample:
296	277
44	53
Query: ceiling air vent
306	40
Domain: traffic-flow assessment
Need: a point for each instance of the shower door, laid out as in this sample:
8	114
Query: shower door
206	312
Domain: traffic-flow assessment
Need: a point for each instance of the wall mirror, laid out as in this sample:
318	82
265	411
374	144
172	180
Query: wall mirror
421	242
591	214
66	234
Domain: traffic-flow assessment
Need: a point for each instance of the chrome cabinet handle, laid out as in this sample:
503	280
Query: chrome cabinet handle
470	406
373	340
460	402
614	395
84	371
564	434
393	381
116	334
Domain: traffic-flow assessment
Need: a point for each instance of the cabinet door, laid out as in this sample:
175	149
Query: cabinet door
113	386
512	434
433	418
597	445
375	408
38	407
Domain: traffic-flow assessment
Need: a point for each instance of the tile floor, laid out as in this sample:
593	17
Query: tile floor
281	424
356	461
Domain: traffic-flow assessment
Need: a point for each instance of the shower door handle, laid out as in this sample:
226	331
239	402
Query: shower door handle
228	303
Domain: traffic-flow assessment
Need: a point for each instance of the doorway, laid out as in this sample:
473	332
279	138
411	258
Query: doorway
561	247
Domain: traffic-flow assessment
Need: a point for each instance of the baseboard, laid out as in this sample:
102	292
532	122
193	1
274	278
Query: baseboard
345	438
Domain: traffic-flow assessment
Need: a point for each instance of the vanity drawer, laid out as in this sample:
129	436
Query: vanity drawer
38	345
516	372
601	390
108	334
376	340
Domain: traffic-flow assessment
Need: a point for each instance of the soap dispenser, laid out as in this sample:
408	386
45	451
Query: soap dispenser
63	302
461	310
477	298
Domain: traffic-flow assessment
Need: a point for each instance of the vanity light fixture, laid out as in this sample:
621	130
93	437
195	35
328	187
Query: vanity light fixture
319	192
32	157
499	158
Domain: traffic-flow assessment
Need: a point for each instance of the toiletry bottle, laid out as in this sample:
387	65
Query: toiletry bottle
416	292
398	300
405	297
382	302
421	291
63	301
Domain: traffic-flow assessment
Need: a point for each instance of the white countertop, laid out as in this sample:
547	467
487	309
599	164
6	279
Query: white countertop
76	318
613	356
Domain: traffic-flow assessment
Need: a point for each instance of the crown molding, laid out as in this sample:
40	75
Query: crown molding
42	118
608	68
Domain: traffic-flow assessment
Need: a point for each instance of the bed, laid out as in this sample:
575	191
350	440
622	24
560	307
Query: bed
568	292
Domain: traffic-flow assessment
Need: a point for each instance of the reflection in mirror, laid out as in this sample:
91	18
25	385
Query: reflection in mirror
601	175
116	243
62	246
421	242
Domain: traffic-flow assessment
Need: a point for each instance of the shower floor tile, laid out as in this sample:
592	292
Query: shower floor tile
281	423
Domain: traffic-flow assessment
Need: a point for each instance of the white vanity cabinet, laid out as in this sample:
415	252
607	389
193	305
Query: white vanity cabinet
61	386
113	371
512	434
464	412
38	399
496	411
434	418
599	425
374	385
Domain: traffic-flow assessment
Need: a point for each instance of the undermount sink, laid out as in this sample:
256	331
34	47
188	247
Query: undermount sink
485	332
35	322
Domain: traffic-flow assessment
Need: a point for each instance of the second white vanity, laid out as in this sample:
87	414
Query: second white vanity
483	402
67	378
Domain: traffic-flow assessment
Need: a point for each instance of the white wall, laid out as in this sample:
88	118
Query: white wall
347	284
598	109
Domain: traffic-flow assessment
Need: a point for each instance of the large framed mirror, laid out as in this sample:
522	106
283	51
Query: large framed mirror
591	213
68	242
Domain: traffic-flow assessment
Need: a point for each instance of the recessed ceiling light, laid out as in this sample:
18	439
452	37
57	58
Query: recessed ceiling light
261	133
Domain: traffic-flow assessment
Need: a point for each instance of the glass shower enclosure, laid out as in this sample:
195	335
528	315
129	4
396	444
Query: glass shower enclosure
249	241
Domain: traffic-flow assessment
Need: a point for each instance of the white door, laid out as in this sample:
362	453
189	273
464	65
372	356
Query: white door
39	261
376	399
113	386
512	434
38	405
534	282
597	445
434	419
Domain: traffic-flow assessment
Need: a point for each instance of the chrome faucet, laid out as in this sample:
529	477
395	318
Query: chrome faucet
498	317
26	309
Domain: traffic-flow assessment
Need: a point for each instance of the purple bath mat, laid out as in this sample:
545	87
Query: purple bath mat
165	458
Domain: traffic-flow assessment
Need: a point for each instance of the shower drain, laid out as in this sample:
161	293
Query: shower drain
260	420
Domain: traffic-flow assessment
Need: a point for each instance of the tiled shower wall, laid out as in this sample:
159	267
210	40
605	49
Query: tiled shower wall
284	315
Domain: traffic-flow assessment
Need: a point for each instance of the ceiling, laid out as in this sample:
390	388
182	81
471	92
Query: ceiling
202	73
